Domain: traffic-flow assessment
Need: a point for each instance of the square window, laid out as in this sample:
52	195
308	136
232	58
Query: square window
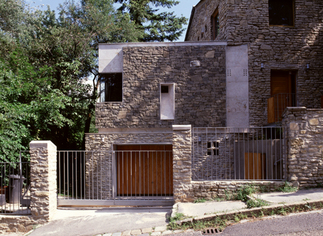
111	87
213	146
164	88
281	12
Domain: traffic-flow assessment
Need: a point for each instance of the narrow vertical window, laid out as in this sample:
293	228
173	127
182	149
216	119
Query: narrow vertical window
167	101
215	24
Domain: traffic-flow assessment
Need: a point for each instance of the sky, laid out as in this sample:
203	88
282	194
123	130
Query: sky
183	8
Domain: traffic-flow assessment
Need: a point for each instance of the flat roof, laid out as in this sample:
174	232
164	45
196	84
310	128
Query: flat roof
161	44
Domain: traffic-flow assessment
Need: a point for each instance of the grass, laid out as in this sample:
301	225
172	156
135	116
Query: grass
287	188
251	203
200	200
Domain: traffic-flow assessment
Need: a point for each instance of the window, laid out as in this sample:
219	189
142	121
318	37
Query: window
111	87
167	101
213	146
164	88
215	24
281	12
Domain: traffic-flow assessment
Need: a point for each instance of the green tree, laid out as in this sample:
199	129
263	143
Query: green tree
158	26
28	105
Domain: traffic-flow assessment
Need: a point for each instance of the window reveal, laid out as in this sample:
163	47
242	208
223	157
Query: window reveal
215	24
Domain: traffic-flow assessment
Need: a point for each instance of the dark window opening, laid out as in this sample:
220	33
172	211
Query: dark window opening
111	87
205	28
215	24
213	146
281	12
164	89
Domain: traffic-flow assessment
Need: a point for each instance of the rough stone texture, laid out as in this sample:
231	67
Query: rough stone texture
200	94
43	189
99	164
277	47
14	224
182	163
225	189
303	130
43	179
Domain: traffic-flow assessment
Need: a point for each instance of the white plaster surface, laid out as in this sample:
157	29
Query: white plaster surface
110	60
167	103
237	85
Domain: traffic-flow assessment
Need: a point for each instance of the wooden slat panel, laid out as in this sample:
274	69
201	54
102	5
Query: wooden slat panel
145	173
271	110
254	168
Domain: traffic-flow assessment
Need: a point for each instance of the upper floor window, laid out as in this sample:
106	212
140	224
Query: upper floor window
111	87
215	24
281	12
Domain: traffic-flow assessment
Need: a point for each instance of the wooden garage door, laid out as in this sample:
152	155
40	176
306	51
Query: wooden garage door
144	170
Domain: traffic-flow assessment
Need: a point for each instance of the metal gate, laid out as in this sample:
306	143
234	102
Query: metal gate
120	177
238	154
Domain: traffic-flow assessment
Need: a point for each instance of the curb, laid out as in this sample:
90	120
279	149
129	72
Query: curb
266	210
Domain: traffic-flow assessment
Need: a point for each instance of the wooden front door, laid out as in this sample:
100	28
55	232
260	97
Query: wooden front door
283	89
144	170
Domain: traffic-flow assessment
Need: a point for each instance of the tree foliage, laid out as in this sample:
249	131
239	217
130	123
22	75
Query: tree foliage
45	59
158	26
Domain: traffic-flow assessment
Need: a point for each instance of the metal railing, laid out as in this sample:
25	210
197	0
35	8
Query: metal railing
114	177
277	104
238	154
15	187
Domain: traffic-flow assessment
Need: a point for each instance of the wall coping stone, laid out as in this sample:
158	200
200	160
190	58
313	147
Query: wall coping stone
44	143
160	44
182	127
133	130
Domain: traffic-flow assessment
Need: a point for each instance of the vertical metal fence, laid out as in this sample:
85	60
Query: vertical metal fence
114	177
238	154
15	186
277	104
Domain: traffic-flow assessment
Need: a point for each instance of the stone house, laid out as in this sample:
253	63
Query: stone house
284	40
243	63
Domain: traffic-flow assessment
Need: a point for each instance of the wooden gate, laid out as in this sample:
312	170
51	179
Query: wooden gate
144	170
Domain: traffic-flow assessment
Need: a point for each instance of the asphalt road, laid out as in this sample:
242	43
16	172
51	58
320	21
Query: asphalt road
295	224
309	223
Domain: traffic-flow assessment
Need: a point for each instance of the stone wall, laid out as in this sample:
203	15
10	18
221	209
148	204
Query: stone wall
303	131
227	189
198	72
277	47
43	180
182	162
43	190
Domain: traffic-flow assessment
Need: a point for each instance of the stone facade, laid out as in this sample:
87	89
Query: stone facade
43	180
276	47
304	147
200	94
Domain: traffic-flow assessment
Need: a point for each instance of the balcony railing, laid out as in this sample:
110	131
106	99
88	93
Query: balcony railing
277	104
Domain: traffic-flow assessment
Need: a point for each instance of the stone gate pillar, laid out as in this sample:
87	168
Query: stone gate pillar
43	180
182	163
